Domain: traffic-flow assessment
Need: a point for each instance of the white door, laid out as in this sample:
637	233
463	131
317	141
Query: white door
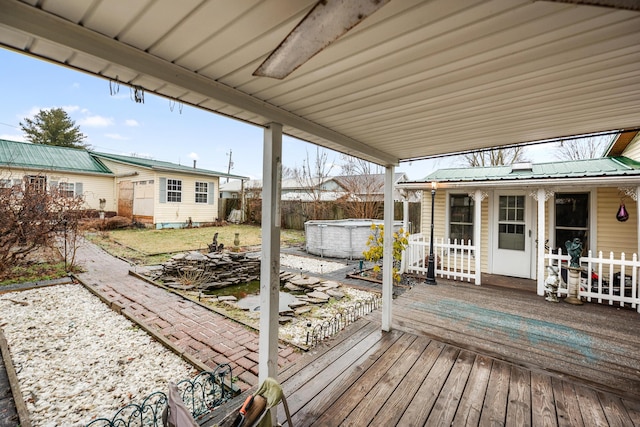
512	235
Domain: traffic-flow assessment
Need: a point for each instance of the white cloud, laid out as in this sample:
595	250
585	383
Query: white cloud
131	123
70	108
194	156
96	121
117	136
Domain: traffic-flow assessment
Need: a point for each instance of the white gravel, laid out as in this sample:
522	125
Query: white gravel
311	265
76	359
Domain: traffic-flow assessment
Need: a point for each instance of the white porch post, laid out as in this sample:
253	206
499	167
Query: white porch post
478	197
387	257
405	227
541	197
270	263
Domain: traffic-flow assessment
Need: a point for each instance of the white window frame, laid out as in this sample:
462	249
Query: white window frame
174	190
67	189
200	192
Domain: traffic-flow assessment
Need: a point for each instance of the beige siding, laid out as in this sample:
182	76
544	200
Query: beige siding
484	249
94	187
633	149
172	213
613	235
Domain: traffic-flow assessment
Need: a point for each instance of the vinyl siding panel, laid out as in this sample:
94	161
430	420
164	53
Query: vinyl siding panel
171	213
633	149
94	187
613	235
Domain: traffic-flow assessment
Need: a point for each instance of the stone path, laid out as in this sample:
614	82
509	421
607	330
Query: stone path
201	333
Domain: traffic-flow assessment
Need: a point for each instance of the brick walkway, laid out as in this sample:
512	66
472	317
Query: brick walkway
205	335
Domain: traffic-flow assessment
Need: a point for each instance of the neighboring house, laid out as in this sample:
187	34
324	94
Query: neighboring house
72	171
505	210
365	188
164	194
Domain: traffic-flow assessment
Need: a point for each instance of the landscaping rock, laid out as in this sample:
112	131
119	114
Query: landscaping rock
335	294
319	295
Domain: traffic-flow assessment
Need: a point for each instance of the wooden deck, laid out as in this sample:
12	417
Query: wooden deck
476	356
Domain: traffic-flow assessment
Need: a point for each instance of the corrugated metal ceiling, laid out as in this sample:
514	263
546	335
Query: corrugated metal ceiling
415	79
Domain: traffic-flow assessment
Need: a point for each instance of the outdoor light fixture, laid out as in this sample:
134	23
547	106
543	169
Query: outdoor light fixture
431	268
324	24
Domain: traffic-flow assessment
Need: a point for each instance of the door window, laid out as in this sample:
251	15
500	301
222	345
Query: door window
511	225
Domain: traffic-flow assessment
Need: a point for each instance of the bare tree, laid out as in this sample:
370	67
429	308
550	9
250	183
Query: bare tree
583	148
495	157
31	217
310	178
362	182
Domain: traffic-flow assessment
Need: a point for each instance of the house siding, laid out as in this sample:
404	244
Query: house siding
613	235
172	214
633	150
94	187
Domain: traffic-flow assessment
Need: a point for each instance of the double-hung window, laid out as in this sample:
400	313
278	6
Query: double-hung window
67	189
202	192
461	217
174	190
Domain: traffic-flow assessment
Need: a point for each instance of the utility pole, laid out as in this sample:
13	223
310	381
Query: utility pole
230	165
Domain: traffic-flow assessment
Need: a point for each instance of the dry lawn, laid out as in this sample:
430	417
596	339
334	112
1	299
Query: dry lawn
151	242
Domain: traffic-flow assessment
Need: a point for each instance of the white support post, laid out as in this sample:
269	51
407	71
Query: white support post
405	227
387	251
542	196
478	196
637	199
270	263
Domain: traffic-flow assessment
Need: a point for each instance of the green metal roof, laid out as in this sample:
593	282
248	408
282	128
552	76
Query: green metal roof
604	167
49	157
161	165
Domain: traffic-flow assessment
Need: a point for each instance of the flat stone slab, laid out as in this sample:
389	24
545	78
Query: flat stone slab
308	282
318	295
302	310
293	288
335	294
297	304
227	298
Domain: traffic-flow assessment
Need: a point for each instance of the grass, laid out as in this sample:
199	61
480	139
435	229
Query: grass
34	272
147	246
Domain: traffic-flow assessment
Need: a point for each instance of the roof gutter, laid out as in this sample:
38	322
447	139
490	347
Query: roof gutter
597	181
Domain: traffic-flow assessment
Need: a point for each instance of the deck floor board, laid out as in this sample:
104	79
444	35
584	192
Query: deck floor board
463	355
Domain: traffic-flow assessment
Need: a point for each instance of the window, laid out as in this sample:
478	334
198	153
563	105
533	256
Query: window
202	192
460	217
67	189
572	219
36	182
511	223
174	190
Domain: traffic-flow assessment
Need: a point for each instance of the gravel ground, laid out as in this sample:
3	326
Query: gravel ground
76	359
311	265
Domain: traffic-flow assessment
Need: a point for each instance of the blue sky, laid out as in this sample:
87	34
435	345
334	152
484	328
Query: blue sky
156	128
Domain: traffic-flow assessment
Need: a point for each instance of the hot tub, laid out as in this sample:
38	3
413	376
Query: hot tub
342	238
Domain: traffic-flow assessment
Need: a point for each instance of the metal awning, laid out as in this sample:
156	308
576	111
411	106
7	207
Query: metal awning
415	79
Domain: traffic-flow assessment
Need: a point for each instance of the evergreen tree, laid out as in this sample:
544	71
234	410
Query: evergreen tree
53	127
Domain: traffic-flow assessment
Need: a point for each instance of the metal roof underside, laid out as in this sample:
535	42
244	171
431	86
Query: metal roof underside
415	79
602	167
41	157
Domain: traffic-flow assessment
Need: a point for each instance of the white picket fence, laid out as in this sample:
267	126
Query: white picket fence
606	280
454	260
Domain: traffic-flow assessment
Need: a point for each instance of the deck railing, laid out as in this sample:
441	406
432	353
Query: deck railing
454	260
603	280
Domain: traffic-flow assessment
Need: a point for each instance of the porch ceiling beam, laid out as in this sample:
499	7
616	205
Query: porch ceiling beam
37	23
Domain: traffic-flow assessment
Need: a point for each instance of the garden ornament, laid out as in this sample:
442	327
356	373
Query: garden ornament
574	248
